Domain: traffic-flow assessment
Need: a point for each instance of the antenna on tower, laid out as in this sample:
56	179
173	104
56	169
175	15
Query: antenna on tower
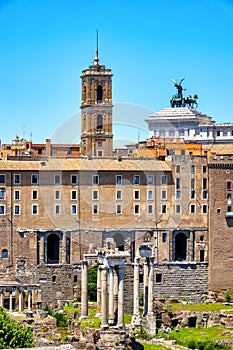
96	60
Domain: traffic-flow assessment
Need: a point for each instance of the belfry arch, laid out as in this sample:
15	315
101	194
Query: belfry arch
99	93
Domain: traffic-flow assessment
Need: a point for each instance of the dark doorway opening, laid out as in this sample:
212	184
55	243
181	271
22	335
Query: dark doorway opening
53	244
180	246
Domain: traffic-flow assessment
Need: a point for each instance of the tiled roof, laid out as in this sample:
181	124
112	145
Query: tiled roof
74	164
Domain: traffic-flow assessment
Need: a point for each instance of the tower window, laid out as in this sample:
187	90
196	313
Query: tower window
99	122
99	93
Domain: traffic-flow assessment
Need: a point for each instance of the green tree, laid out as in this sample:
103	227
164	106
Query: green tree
12	334
92	282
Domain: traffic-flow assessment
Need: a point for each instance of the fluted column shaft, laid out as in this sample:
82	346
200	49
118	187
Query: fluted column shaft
84	291
151	285
104	306
120	314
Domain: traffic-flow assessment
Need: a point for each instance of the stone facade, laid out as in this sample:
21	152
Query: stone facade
220	223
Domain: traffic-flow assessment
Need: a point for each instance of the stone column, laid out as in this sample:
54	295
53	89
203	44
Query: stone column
145	279
63	248
84	291
10	306
42	257
98	304
115	294
104	307
110	295
120	313
151	286
29	300
136	313
20	300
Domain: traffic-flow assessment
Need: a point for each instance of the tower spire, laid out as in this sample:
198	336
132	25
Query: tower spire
96	60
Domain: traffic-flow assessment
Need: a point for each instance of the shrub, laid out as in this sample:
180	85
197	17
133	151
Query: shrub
62	320
12	334
192	344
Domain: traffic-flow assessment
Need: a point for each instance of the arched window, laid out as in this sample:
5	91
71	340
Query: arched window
4	254
180	246
53	244
99	122
99	93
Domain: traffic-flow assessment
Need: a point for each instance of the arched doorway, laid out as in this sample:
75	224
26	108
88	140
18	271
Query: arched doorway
53	245
180	246
120	242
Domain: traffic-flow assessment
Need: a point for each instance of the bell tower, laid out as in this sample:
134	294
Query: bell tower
96	110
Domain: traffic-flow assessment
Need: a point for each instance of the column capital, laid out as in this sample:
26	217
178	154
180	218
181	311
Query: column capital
84	263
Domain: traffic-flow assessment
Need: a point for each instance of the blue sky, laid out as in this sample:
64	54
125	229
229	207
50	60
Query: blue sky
45	44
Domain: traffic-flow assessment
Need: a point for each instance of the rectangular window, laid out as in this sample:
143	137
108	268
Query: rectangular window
73	209
158	278
178	209
150	180
164	237
95	194
17	179
34	194
192	208
178	194
136	194
73	195
118	209
57	209
34	209
163	180
57	179
150	209
204	169
164	194
204	209
163	209
95	179
2	209
178	181
95	209
192	194
204	194
57	195
17	210
2	178
204	183
229	196
150	195
17	195
202	255
2	193
229	185
192	183
118	179
192	169
54	151
229	208
118	194
34	179
178	169
136	180
136	209
218	132
73	179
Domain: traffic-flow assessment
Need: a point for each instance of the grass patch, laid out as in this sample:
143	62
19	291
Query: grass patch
186	336
199	307
90	322
153	346
127	318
